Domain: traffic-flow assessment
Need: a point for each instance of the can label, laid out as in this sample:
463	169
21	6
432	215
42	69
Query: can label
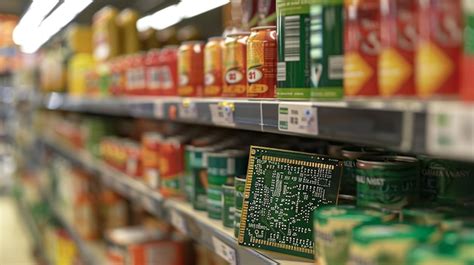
153	79
235	61
191	70
362	46
261	64
199	189
213	69
397	57
392	251
214	201
171	169
228	210
348	182
168	72
439	47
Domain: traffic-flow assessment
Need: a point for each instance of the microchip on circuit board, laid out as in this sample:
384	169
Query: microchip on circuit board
282	190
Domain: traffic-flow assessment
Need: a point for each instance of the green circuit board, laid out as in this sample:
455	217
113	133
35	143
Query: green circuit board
282	191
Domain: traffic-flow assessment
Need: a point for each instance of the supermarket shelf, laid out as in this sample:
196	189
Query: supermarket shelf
409	126
180	214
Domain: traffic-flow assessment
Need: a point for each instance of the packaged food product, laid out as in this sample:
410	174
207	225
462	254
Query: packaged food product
191	69
235	65
105	34
213	67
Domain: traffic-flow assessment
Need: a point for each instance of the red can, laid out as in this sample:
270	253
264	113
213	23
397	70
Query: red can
235	65
172	166
133	166
135	75
438	56
262	62
467	85
117	79
191	69
168	62
362	47
151	158
153	82
396	67
213	67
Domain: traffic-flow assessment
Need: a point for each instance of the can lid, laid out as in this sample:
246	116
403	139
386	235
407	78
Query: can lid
386	161
263	28
215	38
349	212
237	34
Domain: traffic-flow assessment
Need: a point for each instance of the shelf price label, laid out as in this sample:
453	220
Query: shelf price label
224	251
298	118
450	129
158	109
178	221
187	110
222	113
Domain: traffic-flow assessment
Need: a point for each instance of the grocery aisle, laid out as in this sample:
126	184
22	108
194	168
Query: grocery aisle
15	243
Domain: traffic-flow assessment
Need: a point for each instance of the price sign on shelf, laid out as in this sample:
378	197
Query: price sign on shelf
450	129
158	109
224	251
177	220
298	118
187	110
222	113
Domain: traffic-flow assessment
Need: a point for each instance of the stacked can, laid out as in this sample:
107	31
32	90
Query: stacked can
153	83
151	158
261	62
239	184
213	67
191	69
387	182
172	166
235	65
467	83
135	75
199	176
222	167
168	61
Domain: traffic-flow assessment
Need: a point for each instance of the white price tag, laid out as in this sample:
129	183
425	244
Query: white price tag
298	118
450	129
187	110
178	221
224	251
222	114
158	109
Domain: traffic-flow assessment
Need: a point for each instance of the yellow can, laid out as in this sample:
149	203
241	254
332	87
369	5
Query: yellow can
213	67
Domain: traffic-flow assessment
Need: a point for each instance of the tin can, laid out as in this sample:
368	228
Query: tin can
188	174
199	177
117	76
387	182
239	200
362	47
191	69
150	152
396	66
213	67
439	47
446	181
350	156
261	62
466	249
446	252
333	231
235	65
135	75
467	82
392	242
133	166
223	166
168	62
172	166
422	216
228	208
153	72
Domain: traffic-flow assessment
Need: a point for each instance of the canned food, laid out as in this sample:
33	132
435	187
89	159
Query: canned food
261	62
133	166
191	69
397	56
235	65
466	250
422	216
439	47
188	174
172	166
151	158
446	252
168	62
333	231
199	176
213	78
362	47
467	82
239	200
388	182
135	75
117	80
386	244
350	156
228	209
153	75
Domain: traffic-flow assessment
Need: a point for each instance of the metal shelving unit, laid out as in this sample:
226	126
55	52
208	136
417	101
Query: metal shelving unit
180	214
439	128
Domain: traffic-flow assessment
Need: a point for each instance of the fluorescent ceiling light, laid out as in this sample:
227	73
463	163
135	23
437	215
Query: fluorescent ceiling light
171	15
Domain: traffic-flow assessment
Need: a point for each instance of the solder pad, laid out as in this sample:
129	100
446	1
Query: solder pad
282	190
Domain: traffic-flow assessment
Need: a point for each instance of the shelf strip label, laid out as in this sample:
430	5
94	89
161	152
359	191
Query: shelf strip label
224	251
298	118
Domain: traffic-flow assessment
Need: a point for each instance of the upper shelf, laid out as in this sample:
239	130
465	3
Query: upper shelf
440	128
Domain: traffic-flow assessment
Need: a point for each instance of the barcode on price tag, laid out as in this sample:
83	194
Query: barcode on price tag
298	118
187	110
450	129
178	221
224	251
222	114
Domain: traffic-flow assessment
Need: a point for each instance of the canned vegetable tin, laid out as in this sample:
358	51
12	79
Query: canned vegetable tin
213	67
446	252
172	166
386	244
388	182
222	167
350	155
199	176
228	209
191	69
168	62
235	65
261	62
151	158
333	231
239	199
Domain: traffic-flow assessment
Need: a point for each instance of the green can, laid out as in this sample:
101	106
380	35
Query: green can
386	244
350	155
466	250
446	252
228	210
422	216
387	182
188	174
310	49
333	231
199	176
446	181
222	167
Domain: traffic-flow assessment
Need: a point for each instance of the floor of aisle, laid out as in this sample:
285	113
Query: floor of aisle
15	241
